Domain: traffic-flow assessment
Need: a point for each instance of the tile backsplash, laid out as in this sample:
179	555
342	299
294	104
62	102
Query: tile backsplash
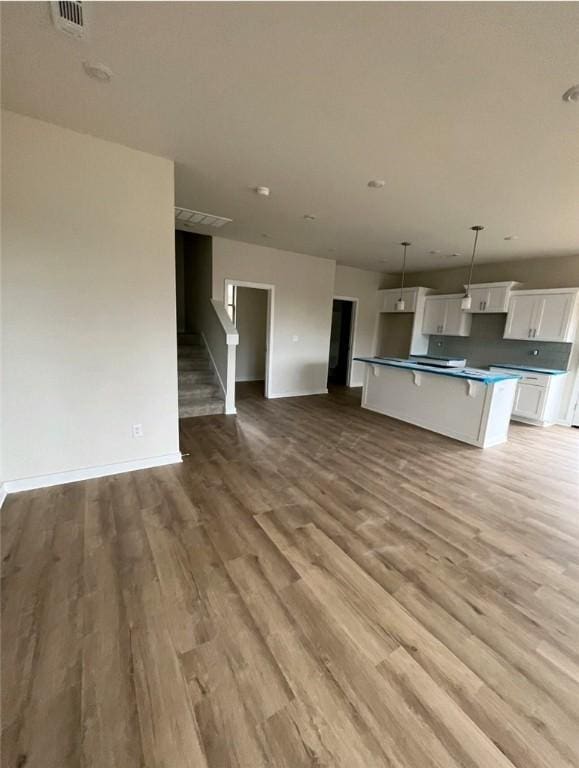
486	346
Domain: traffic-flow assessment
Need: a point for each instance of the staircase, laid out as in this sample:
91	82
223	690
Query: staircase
199	390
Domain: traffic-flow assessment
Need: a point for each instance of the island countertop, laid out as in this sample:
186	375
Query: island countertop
474	374
531	369
468	404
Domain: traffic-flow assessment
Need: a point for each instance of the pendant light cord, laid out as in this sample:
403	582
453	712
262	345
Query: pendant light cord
405	244
476	230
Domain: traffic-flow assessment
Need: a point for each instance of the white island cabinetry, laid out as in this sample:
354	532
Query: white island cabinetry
468	405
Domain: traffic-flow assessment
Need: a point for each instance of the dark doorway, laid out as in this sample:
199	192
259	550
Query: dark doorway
342	314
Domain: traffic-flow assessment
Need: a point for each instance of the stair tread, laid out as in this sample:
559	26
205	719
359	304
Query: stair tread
193	365
213	407
203	399
200	377
192	397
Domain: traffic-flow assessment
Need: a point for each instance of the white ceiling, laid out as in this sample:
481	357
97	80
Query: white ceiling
457	106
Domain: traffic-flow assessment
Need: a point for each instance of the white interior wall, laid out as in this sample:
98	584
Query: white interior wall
88	301
251	322
362	285
303	291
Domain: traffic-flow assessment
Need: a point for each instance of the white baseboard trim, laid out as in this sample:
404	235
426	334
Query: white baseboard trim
88	473
250	378
3	494
275	395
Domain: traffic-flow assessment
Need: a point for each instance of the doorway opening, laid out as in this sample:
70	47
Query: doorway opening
250	307
199	389
341	341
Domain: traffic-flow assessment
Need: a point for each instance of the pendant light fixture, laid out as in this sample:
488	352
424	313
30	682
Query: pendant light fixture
466	302
400	305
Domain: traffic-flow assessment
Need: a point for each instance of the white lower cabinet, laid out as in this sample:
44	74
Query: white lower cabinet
538	397
529	401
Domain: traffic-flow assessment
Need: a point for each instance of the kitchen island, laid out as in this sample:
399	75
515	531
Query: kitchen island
467	404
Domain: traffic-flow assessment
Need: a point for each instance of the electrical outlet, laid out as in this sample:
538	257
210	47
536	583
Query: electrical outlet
138	430
295	338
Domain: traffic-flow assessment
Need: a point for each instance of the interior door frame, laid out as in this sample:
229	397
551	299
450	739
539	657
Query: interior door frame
269	324
353	326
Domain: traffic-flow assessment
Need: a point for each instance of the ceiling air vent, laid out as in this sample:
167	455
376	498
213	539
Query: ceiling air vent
187	219
68	16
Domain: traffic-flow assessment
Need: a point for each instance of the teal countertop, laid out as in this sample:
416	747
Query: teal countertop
474	374
531	369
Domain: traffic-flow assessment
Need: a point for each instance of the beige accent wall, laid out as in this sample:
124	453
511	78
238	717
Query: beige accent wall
197	271
88	302
532	273
303	290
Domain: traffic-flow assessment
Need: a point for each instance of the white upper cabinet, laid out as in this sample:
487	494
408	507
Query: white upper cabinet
443	316
391	295
490	297
542	315
555	317
434	316
519	323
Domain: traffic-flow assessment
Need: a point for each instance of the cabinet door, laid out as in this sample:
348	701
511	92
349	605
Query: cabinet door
434	316
457	321
553	316
498	299
480	300
520	318
391	297
529	401
389	300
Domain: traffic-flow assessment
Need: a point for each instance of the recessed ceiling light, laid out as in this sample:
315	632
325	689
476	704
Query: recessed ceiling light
572	94
263	191
433	253
511	237
453	255
265	236
376	183
97	71
309	217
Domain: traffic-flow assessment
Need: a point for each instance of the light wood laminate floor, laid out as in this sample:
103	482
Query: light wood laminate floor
315	585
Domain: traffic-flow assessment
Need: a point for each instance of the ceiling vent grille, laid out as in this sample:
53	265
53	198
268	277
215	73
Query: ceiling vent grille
187	219
68	16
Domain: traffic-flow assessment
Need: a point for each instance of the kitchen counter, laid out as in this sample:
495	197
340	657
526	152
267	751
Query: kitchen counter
531	369
475	374
468	404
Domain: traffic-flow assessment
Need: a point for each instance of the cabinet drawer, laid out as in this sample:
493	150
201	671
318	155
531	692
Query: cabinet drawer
528	377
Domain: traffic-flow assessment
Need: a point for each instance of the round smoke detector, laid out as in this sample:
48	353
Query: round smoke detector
572	94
